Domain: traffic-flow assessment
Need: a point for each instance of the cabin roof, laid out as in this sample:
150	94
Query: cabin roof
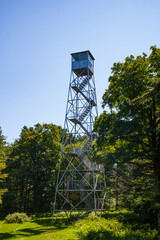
83	52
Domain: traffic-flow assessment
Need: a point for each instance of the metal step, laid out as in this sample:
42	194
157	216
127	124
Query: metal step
84	114
79	90
81	86
77	121
88	100
83	83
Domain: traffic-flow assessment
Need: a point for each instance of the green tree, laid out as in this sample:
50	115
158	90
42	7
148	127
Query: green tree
31	169
131	128
3	175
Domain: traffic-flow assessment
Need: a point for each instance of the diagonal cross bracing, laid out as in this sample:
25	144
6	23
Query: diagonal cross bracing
78	182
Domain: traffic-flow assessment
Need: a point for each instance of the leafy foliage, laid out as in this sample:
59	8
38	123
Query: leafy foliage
17	218
30	166
129	133
3	174
113	228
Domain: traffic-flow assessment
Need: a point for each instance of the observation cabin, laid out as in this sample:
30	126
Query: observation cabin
83	63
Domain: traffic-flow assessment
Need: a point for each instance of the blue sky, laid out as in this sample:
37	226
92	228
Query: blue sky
37	37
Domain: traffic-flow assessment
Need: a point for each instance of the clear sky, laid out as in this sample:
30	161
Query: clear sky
37	37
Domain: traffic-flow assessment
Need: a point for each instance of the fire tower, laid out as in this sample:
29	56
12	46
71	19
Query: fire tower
80	181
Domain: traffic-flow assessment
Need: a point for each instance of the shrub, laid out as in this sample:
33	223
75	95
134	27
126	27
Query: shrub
95	228
17	218
146	210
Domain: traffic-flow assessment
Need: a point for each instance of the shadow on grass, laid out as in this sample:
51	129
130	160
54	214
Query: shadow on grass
61	222
25	232
19	234
6	235
45	226
47	222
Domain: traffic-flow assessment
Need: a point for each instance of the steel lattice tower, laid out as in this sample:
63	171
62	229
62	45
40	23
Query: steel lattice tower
80	181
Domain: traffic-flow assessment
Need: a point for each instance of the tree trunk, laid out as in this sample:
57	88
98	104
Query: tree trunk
157	183
21	196
117	191
158	214
36	199
36	196
117	201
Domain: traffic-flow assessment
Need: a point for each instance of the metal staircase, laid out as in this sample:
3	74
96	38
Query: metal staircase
78	118
84	114
83	83
79	87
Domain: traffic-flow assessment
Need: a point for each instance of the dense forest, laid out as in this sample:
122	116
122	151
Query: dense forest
128	145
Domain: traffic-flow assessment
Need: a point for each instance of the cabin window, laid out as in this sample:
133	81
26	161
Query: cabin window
75	57
83	56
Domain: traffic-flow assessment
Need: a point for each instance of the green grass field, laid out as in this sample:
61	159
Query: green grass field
40	228
112	226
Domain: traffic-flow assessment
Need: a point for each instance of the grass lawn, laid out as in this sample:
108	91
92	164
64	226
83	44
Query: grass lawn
40	228
120	225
